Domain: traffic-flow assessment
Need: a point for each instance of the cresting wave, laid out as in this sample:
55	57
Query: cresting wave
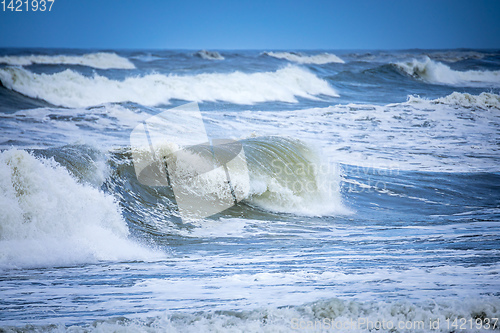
99	60
71	89
285	176
329	315
49	219
288	176
319	59
438	73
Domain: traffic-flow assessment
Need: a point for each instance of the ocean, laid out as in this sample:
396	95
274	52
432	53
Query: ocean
318	191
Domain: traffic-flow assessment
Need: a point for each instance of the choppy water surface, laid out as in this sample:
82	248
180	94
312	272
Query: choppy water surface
373	191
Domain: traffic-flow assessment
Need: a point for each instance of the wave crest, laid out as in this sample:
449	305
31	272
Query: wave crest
48	218
319	59
289	177
71	89
438	73
284	176
99	60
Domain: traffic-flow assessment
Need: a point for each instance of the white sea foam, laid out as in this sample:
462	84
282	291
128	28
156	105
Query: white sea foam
79	126
465	100
453	133
318	59
328	315
99	60
47	218
438	73
71	89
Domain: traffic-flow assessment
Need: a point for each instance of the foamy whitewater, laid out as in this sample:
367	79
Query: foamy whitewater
318	59
439	73
99	60
368	200
72	89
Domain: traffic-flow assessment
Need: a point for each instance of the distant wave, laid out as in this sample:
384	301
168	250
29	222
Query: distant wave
438	73
96	60
209	55
71	89
446	56
319	59
48	218
455	56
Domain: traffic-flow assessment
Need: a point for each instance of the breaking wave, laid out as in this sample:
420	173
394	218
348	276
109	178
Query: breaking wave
438	73
96	60
287	176
280	175
319	59
53	214
48	218
71	89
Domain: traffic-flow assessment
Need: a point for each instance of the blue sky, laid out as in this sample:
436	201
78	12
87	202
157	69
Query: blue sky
256	24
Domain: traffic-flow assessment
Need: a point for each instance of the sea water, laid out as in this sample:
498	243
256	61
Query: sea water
373	194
